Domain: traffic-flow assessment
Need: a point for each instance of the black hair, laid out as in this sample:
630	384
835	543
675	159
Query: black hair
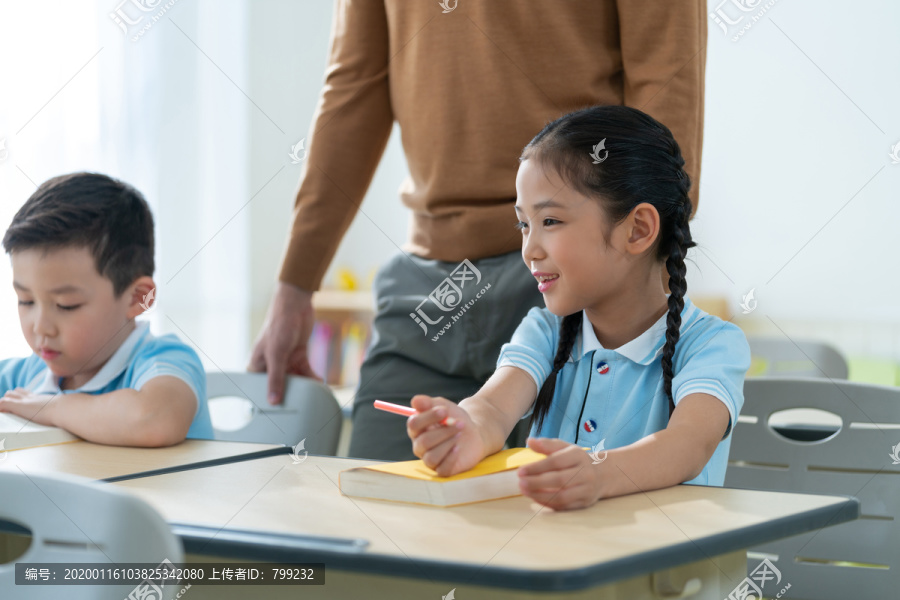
638	162
107	216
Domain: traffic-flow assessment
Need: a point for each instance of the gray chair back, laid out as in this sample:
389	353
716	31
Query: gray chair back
785	358
76	520
309	412
861	458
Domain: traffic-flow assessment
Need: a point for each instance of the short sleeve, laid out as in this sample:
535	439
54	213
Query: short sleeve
19	372
533	345
713	360
167	355
14	372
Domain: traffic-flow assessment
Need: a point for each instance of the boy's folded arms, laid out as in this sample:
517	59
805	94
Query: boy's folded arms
81	249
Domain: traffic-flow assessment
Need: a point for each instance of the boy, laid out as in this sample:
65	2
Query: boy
82	258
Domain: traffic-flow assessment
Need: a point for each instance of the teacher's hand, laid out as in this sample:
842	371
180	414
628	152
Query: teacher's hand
282	344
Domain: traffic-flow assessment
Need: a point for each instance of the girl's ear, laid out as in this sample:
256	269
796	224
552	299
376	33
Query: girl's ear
143	296
642	228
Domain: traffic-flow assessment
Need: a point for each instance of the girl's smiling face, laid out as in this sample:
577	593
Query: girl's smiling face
567	235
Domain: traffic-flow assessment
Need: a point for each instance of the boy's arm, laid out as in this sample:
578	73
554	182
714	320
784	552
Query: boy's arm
159	414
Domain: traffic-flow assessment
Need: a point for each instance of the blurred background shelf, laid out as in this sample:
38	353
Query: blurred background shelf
345	395
361	301
341	334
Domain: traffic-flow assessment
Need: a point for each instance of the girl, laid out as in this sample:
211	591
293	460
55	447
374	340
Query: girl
650	382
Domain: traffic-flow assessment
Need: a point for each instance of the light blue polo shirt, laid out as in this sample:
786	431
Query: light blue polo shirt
620	392
140	358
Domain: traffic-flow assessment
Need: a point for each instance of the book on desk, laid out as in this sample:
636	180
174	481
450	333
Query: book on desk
411	481
17	433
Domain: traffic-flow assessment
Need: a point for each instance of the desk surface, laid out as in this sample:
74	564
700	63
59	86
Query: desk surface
98	461
512	542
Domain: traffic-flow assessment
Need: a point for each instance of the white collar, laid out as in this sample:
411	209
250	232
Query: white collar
111	369
642	349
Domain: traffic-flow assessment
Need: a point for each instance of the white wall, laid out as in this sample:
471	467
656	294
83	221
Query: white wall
798	193
289	42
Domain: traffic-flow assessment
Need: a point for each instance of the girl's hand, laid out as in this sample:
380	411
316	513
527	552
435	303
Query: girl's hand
566	479
37	408
448	449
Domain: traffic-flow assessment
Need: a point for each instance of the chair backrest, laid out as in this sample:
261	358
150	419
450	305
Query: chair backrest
862	459
778	357
309	412
76	520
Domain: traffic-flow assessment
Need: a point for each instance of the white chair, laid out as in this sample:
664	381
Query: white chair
308	413
857	559
778	357
76	520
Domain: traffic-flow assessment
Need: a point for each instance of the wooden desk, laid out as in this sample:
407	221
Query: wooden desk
113	463
620	548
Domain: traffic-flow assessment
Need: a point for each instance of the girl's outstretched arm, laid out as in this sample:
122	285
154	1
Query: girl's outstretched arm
476	427
571	478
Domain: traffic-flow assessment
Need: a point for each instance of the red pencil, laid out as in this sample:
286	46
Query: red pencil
406	411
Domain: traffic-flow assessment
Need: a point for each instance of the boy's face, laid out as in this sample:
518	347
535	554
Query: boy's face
69	314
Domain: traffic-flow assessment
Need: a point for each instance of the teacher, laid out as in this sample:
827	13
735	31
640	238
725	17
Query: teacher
469	82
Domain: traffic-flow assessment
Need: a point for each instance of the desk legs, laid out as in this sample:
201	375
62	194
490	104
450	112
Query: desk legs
717	577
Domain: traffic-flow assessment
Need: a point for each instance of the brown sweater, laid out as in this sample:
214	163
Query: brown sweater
469	89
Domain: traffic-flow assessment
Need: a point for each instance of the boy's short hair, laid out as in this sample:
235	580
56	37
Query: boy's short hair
107	216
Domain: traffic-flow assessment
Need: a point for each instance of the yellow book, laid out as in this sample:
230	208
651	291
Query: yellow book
411	481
